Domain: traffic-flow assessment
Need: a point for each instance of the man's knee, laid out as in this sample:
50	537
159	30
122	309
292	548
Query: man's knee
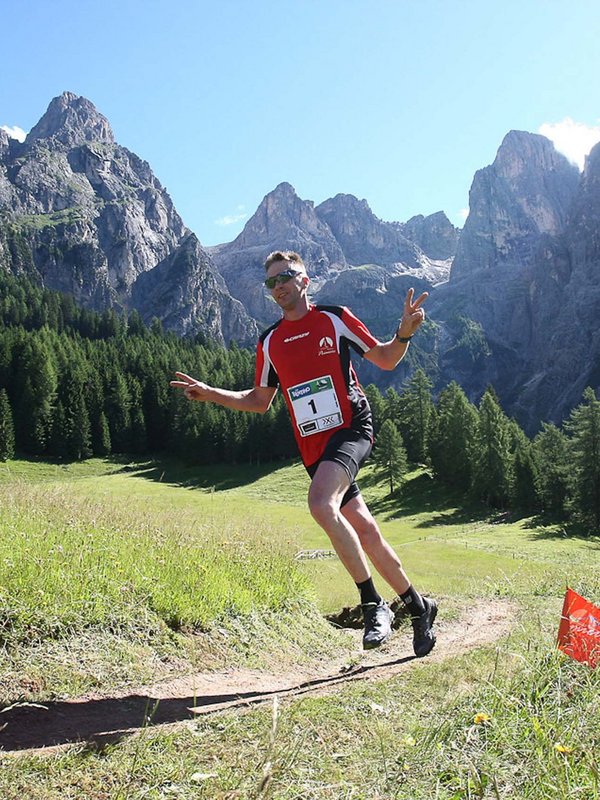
323	507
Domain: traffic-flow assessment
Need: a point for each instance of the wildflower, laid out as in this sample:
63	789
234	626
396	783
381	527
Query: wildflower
481	718
561	748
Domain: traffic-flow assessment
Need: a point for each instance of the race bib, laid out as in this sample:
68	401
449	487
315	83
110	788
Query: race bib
315	406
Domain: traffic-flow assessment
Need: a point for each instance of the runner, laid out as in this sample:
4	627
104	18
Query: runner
307	354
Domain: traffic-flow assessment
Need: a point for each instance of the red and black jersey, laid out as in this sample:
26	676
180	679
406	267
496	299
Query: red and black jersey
310	359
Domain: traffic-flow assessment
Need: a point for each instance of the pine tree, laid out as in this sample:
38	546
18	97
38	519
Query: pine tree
117	407
7	432
71	423
389	454
553	468
523	493
416	413
377	404
492	465
452	438
100	434
583	428
36	391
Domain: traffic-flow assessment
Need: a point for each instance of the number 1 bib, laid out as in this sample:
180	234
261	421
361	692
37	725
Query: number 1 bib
315	406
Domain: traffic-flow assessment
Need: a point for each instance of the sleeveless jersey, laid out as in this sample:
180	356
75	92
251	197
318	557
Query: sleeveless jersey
309	359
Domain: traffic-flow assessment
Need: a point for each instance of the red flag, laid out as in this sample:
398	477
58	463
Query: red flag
579	630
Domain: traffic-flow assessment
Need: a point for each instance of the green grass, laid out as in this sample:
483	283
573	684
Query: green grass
113	573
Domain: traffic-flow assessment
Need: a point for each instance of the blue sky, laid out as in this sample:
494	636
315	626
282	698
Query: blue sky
395	102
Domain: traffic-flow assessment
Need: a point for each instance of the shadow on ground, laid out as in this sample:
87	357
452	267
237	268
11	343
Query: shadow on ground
102	721
214	477
425	495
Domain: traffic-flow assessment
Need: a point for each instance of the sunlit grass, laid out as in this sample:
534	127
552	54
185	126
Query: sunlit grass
148	561
68	562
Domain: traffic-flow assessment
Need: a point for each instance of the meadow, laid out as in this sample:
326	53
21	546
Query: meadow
117	573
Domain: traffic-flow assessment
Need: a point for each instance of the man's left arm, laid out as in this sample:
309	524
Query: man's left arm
387	355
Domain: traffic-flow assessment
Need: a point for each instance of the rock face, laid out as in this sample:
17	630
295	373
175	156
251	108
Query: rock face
350	254
521	198
366	239
93	217
192	298
282	222
515	295
518	264
566	301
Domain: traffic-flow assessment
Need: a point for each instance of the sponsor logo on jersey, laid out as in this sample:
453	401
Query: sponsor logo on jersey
297	336
326	346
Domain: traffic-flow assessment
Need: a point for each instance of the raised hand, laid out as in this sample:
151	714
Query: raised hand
192	389
412	315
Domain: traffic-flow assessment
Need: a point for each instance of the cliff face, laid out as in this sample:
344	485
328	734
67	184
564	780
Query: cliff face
334	239
525	272
565	294
514	296
91	215
281	222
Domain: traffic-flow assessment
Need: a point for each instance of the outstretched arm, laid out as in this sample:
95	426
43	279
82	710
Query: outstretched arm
258	399
388	355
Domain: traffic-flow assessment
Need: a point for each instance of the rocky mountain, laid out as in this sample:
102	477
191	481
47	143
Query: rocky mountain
514	296
366	239
515	261
89	217
281	222
346	248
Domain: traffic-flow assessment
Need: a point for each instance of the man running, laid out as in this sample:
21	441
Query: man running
306	353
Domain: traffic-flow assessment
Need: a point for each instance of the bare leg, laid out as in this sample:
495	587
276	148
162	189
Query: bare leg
327	489
382	555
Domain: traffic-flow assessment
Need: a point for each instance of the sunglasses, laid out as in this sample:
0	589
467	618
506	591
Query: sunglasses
283	277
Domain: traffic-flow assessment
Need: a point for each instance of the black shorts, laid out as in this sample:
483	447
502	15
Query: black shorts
349	448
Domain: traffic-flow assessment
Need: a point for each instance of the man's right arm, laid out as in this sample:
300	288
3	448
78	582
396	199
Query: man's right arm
258	399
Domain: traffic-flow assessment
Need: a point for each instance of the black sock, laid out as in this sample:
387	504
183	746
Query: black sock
413	602
368	592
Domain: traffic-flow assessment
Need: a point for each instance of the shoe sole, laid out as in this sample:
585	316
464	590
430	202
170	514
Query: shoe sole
375	645
434	640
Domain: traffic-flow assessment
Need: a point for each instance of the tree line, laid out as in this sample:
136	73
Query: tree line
479	451
75	383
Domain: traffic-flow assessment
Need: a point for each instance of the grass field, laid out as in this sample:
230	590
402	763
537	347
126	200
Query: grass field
113	574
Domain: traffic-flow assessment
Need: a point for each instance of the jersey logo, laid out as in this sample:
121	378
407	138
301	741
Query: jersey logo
326	345
298	336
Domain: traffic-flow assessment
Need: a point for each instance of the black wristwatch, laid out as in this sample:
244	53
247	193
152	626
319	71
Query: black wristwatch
403	339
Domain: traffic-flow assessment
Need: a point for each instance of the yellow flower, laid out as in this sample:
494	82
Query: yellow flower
481	718
561	748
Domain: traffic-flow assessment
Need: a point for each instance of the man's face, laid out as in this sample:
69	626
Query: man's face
288	294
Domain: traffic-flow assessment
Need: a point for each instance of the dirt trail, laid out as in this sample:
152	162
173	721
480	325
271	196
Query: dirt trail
98	719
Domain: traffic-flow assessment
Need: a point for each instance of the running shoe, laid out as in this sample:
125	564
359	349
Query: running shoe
378	618
424	637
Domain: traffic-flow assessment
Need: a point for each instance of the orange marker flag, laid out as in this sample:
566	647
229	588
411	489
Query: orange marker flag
579	630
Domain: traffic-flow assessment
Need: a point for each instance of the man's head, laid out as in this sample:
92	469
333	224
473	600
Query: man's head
287	279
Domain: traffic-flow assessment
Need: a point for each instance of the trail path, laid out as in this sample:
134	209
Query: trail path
100	718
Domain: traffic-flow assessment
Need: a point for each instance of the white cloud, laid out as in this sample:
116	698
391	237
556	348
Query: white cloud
231	219
463	213
15	132
573	139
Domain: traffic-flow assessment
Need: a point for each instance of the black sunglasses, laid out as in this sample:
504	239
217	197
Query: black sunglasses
283	277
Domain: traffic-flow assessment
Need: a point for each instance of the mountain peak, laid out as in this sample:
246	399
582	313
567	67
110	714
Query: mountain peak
522	152
71	119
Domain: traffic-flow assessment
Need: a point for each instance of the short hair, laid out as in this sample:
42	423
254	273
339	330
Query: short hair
284	255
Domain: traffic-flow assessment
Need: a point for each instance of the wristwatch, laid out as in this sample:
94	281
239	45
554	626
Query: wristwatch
403	339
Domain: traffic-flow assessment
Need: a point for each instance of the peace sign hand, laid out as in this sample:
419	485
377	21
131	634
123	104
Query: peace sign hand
192	389
412	315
